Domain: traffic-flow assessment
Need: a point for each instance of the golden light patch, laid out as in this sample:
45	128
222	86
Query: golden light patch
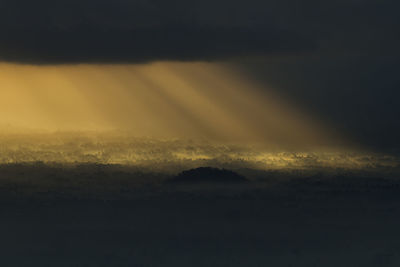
164	100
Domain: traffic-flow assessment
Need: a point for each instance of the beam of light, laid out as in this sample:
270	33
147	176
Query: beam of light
165	115
163	100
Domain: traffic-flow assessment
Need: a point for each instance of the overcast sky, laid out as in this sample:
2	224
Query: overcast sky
339	59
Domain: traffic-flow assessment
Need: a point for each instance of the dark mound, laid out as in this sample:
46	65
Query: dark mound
208	175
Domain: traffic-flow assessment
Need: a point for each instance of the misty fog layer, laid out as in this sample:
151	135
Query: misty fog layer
175	155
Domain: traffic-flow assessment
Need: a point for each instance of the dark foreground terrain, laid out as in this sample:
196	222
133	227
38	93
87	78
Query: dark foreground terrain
86	220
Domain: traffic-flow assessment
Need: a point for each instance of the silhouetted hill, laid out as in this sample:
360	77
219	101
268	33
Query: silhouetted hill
208	175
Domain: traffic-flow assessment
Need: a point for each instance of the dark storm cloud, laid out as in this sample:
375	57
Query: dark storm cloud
92	45
123	31
139	31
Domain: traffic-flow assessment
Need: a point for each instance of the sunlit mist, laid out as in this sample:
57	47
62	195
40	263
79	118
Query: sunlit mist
163	100
164	115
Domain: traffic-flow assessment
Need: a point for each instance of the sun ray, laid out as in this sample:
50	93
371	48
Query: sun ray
165	100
